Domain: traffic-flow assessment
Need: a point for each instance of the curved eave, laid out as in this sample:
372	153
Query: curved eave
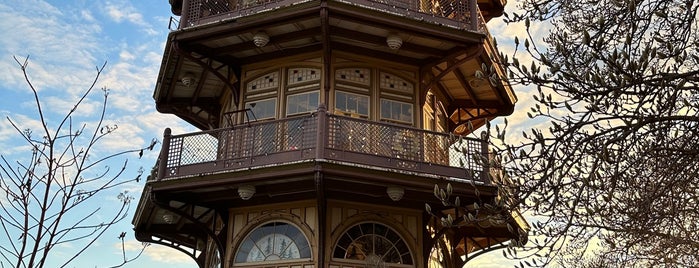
474	85
199	102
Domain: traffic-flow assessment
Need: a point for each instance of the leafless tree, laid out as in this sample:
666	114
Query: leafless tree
614	173
49	195
448	219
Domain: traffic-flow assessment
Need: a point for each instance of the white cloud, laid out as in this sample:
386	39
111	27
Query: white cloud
158	253
42	28
126	136
123	11
87	15
10	140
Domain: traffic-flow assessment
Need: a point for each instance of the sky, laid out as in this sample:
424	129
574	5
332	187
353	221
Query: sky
65	40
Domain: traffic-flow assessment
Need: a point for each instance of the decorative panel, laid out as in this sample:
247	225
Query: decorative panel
393	82
264	82
354	75
302	75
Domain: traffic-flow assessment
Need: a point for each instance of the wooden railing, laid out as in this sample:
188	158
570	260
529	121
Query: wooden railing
323	137
461	14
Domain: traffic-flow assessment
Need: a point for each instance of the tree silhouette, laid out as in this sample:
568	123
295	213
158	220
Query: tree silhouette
50	193
613	173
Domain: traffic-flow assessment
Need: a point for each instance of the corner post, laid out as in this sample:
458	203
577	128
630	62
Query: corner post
184	19
162	162
322	131
473	14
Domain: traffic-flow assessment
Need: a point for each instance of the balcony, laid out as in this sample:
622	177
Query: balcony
327	138
446	40
463	15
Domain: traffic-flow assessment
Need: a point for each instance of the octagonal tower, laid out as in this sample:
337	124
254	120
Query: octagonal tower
325	126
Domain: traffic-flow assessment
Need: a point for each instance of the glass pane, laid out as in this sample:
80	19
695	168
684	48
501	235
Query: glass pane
354	104
302	103
372	240
396	111
341	101
273	241
385	109
262	109
264	82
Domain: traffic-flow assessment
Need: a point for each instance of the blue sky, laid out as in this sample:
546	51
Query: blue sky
65	40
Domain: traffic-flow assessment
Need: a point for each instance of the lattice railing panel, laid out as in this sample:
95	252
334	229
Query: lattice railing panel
468	153
398	142
243	141
394	145
456	11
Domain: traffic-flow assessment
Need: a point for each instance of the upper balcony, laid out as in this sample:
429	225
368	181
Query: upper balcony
326	138
446	42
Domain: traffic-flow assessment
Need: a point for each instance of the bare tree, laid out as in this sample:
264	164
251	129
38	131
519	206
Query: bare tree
452	215
614	173
49	195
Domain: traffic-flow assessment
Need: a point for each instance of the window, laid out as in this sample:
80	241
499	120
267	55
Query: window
396	111
302	102
358	90
274	241
269	81
303	75
262	109
392	82
373	243
353	104
354	76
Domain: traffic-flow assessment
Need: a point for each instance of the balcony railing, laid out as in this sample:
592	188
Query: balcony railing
461	14
323	137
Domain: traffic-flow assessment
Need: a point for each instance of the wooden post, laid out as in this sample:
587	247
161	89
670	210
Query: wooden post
473	10
164	150
185	14
322	131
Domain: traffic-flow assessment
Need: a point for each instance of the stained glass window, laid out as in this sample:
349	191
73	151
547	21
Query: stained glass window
370	242
273	241
392	82
355	75
301	75
268	81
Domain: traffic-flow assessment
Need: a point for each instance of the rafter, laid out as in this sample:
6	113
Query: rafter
188	54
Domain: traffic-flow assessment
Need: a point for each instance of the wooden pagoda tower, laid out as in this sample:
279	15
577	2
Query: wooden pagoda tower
325	126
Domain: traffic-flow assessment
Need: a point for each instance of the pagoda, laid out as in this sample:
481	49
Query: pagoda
324	127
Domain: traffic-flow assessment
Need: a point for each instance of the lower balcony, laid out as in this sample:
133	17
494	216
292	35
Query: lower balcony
324	137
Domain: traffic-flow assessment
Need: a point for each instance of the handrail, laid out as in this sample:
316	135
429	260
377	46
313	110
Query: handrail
461	14
326	137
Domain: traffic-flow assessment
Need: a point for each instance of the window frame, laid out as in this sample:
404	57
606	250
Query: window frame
249	238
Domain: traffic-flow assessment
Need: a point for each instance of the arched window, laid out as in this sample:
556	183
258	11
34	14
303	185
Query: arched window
373	243
274	241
